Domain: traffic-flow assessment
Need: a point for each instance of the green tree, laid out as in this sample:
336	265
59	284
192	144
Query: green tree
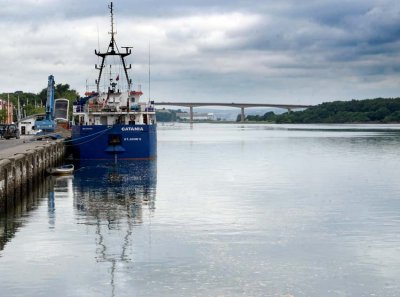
3	114
166	115
31	103
381	110
60	91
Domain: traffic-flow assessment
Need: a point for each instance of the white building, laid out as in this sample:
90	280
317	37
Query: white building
26	124
197	116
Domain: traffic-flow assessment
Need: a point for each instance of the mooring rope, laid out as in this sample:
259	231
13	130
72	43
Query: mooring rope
77	139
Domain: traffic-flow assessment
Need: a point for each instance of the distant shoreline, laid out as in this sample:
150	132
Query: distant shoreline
367	111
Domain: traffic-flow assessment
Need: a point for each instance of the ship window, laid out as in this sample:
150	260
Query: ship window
114	139
76	120
103	120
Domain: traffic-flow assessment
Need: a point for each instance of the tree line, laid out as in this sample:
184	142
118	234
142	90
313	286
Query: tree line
31	103
378	110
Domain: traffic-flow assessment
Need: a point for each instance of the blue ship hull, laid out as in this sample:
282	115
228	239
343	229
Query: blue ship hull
124	142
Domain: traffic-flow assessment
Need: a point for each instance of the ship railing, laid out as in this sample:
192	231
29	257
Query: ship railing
78	108
111	108
95	108
100	108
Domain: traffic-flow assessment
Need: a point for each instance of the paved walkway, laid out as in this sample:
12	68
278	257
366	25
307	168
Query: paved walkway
21	148
11	147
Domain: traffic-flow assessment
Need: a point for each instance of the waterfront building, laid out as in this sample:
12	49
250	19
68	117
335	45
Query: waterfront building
197	116
26	124
8	107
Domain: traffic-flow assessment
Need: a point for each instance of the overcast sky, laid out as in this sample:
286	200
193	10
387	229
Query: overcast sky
285	51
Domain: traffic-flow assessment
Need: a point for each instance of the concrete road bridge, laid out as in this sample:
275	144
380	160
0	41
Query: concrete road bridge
242	106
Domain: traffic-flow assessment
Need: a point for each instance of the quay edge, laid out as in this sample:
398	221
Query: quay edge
22	171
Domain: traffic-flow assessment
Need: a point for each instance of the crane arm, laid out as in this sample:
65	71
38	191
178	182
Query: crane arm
50	99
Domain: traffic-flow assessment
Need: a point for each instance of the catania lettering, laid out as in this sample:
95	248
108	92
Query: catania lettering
131	129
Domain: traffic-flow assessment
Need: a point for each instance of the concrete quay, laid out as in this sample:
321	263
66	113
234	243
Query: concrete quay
23	166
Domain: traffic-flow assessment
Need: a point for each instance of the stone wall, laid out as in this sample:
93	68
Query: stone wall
20	173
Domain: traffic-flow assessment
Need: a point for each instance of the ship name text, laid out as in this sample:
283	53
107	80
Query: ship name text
132	129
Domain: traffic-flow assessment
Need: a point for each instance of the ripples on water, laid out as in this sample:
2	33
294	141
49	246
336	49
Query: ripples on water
226	210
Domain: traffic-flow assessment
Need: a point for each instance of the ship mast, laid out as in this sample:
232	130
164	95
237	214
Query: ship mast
113	51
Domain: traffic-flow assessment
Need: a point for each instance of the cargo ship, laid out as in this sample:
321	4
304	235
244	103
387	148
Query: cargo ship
114	122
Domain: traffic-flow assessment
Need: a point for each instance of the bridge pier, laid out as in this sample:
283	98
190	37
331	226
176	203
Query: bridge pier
242	117
242	106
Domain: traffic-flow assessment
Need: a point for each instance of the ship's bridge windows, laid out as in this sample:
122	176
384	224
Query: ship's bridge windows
120	120
132	119
103	120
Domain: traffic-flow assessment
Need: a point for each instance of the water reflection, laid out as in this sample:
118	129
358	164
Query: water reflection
111	192
16	216
62	187
110	199
259	212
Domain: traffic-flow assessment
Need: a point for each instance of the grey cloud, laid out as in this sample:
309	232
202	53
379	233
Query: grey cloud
291	44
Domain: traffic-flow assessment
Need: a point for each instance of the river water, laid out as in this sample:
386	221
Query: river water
225	210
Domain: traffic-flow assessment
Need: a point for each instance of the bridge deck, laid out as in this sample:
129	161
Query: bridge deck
242	106
238	105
